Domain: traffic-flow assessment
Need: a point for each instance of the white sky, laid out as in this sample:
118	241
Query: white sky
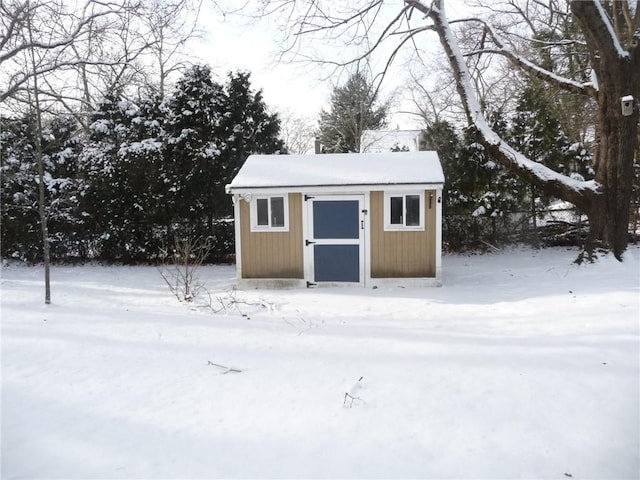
234	43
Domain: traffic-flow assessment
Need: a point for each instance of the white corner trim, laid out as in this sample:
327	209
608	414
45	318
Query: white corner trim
439	201
237	232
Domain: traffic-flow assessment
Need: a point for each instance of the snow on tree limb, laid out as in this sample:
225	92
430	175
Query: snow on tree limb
606	21
601	30
562	186
528	66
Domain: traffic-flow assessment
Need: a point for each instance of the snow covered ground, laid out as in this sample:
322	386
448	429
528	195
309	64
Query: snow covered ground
522	366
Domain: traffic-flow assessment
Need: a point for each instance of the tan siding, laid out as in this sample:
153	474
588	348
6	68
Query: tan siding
402	254
273	254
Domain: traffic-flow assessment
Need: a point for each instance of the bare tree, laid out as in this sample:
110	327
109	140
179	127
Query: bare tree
87	49
55	31
37	114
180	266
169	26
297	132
610	34
35	40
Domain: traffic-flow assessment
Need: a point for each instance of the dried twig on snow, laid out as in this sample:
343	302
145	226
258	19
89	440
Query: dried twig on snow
225	368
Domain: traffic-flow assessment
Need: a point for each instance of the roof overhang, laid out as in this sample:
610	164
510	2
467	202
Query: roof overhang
338	172
349	188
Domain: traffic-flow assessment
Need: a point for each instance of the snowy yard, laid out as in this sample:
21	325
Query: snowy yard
522	366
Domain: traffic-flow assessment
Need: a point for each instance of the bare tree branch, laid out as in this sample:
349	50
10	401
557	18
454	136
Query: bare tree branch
578	192
528	66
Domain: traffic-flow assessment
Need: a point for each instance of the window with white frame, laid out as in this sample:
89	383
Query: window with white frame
270	213
404	211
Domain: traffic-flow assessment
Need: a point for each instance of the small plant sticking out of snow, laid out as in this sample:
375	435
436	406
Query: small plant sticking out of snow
180	266
351	395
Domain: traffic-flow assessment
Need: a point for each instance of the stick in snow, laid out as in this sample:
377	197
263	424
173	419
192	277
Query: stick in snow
226	369
351	394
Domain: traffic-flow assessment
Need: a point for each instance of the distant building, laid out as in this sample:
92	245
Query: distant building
382	141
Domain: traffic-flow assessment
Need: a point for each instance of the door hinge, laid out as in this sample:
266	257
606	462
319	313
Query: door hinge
309	284
307	243
308	197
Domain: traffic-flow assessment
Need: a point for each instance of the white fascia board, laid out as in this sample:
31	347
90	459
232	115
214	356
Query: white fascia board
238	238
338	189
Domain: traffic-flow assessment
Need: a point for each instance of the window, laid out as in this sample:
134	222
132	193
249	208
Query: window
270	213
404	211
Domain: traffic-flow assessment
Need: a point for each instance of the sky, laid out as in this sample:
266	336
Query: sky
234	42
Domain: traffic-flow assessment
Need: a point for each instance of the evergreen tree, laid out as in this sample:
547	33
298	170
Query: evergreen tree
458	196
246	127
62	146
21	236
354	108
19	196
118	172
149	173
143	154
481	199
211	130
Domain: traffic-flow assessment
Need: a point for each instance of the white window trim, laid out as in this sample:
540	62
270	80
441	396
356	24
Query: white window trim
388	226
253	213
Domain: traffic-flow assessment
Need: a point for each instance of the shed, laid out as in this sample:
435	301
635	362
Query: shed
339	219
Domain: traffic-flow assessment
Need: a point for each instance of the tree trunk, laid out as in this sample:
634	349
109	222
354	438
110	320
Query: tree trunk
606	202
41	194
41	209
618	74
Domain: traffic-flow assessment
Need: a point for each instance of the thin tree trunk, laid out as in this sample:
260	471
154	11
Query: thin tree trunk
41	206
41	196
534	218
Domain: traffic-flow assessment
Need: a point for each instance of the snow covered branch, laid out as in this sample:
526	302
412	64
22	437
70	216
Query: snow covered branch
561	186
593	16
528	66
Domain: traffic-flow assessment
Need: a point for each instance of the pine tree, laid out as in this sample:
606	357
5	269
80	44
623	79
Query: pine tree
212	129
19	196
191	161
117	177
481	199
536	130
21	237
62	145
354	108
246	127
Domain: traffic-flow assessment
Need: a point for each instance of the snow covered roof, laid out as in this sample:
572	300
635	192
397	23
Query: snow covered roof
339	169
379	141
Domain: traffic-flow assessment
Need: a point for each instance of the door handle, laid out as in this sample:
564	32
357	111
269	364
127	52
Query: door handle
361	224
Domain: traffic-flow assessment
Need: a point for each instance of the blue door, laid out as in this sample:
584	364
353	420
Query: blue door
337	232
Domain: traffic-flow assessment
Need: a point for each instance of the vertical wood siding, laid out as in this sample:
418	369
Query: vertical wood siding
273	254
402	254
